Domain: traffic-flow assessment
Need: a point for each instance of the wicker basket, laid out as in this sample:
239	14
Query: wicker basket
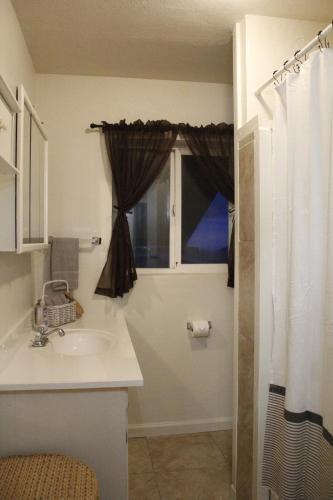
59	315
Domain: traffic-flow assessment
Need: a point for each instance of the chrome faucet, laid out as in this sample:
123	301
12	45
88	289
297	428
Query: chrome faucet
41	337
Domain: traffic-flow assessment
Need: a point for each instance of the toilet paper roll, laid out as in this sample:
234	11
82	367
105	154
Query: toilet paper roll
200	328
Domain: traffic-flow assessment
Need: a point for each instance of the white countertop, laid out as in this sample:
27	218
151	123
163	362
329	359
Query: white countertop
23	368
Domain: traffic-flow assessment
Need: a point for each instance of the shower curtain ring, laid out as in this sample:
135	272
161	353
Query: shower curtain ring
297	59
297	67
284	65
320	46
276	81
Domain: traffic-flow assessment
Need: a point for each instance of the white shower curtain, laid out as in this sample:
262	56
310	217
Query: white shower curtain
298	452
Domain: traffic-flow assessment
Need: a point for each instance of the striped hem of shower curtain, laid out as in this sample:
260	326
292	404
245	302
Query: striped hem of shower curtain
298	452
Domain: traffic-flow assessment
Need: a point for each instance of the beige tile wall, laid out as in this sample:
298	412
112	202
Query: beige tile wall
245	321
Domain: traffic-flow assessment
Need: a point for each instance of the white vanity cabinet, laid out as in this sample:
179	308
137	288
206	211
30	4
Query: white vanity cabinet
90	425
72	404
23	174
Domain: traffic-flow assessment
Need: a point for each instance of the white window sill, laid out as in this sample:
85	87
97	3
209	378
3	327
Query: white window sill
187	269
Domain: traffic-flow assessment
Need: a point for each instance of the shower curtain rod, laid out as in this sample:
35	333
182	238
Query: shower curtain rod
298	54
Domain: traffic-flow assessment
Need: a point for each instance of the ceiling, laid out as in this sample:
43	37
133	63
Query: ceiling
162	39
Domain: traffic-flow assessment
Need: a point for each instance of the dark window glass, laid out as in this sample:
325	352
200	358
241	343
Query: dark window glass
150	224
204	229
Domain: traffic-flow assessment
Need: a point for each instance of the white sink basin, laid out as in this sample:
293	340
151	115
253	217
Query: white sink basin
83	342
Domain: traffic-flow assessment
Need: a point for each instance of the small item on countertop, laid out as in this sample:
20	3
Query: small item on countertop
40	316
63	313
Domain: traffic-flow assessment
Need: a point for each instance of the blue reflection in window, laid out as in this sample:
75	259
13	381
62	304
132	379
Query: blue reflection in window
208	243
205	231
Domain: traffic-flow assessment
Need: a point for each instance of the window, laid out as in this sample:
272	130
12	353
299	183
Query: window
181	224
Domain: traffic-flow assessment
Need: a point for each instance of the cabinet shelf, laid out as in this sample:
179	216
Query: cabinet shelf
7	168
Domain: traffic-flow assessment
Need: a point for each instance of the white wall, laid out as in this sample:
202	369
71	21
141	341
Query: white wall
16	67
261	45
184	380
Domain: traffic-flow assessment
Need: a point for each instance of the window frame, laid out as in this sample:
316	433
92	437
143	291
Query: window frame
175	264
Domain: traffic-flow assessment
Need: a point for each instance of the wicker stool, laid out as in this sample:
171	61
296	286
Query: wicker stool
46	477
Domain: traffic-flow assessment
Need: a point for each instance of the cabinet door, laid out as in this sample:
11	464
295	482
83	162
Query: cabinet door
32	185
9	108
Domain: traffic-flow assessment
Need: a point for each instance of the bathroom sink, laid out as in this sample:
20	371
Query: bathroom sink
83	342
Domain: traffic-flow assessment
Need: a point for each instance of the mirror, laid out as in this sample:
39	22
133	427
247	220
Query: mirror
32	187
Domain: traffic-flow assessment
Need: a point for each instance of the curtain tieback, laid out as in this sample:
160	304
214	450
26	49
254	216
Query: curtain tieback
122	210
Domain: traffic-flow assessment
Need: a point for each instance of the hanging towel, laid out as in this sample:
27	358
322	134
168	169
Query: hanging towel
65	262
62	262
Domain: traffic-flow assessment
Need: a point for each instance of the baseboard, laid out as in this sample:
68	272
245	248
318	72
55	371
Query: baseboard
179	427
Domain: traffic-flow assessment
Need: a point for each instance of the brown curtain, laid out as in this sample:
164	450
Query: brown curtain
213	149
137	154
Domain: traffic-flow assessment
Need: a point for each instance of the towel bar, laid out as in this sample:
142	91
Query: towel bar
94	241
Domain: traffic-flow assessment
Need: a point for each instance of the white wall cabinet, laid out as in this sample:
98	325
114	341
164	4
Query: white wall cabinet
32	164
9	109
23	174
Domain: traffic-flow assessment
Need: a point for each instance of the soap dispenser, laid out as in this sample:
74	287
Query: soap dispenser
40	315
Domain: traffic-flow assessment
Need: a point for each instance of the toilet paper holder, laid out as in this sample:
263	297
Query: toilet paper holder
190	326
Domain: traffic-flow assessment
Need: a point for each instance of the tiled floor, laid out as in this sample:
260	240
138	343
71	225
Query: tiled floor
187	467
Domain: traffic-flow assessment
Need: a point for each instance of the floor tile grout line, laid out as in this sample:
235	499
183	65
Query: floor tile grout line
149	453
224	453
152	466
157	485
